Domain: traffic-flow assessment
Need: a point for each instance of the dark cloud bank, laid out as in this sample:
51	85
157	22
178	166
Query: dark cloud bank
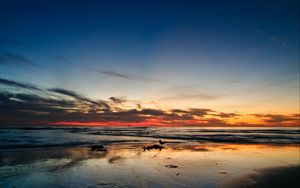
27	104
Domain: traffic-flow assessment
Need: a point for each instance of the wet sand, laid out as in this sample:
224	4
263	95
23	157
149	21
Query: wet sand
287	176
186	164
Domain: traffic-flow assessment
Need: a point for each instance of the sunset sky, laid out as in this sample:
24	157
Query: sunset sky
150	62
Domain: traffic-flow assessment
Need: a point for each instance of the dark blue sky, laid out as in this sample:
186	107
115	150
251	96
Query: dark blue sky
227	54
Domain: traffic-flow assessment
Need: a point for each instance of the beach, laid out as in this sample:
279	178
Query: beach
126	163
270	177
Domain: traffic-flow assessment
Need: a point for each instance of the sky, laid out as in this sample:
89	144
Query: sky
140	63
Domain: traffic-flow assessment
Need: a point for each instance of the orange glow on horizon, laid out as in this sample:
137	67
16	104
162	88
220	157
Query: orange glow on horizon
158	123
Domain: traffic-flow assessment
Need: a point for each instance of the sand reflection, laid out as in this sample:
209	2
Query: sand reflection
128	165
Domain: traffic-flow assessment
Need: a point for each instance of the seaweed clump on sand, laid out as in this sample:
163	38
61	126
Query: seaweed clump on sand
155	146
98	148
171	166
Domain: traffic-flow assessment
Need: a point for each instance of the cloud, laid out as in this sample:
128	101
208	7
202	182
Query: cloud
118	100
63	59
179	111
278	39
193	111
15	107
153	112
278	118
26	101
68	93
34	107
96	104
115	74
198	96
126	76
199	111
15	59
226	115
17	84
215	122
28	104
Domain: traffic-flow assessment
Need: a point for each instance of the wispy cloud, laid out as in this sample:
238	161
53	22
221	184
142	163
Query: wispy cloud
95	104
252	28
197	96
278	118
68	93
63	59
126	76
116	74
15	59
118	100
226	115
17	84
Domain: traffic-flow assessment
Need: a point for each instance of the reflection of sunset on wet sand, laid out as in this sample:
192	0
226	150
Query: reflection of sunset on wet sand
128	165
95	157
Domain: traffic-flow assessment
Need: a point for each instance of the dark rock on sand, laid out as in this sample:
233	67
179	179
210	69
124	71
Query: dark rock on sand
98	148
155	146
161	142
222	172
171	166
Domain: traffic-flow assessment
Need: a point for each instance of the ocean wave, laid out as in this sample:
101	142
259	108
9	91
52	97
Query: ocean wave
32	137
